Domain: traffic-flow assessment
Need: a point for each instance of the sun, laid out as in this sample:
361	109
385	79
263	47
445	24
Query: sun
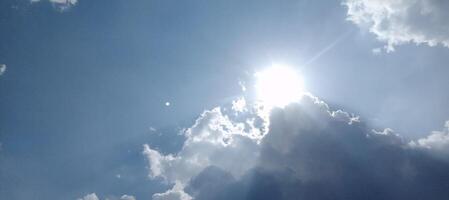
279	85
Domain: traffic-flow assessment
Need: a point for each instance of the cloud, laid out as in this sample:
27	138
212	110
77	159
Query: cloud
308	152
127	197
437	142
176	193
61	5
376	51
92	196
402	21
239	105
2	69
213	140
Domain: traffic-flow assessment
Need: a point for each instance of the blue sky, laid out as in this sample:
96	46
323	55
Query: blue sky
86	83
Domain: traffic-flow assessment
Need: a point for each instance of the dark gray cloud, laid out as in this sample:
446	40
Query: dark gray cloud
309	152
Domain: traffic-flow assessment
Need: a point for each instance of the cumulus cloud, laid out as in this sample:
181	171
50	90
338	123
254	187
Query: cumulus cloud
60	4
92	196
437	142
2	69
308	152
214	139
402	21
176	193
127	197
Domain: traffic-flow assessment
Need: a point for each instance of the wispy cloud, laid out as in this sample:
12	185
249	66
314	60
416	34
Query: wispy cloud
2	69
61	5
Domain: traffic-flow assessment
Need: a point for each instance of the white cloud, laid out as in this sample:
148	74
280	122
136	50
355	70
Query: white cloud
213	140
402	21
2	69
127	197
437	141
157	162
344	116
176	193
307	147
92	196
60	4
239	105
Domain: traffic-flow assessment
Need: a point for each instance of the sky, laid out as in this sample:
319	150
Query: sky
159	99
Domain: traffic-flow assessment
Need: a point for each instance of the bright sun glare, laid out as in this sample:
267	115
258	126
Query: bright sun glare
279	86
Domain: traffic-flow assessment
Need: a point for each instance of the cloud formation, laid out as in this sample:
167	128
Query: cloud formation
214	139
437	142
176	193
60	4
402	21
309	152
2	69
93	196
127	197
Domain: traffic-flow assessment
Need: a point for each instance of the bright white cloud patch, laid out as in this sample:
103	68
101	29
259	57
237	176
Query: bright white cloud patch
239	105
437	141
402	21
213	140
60	4
176	193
